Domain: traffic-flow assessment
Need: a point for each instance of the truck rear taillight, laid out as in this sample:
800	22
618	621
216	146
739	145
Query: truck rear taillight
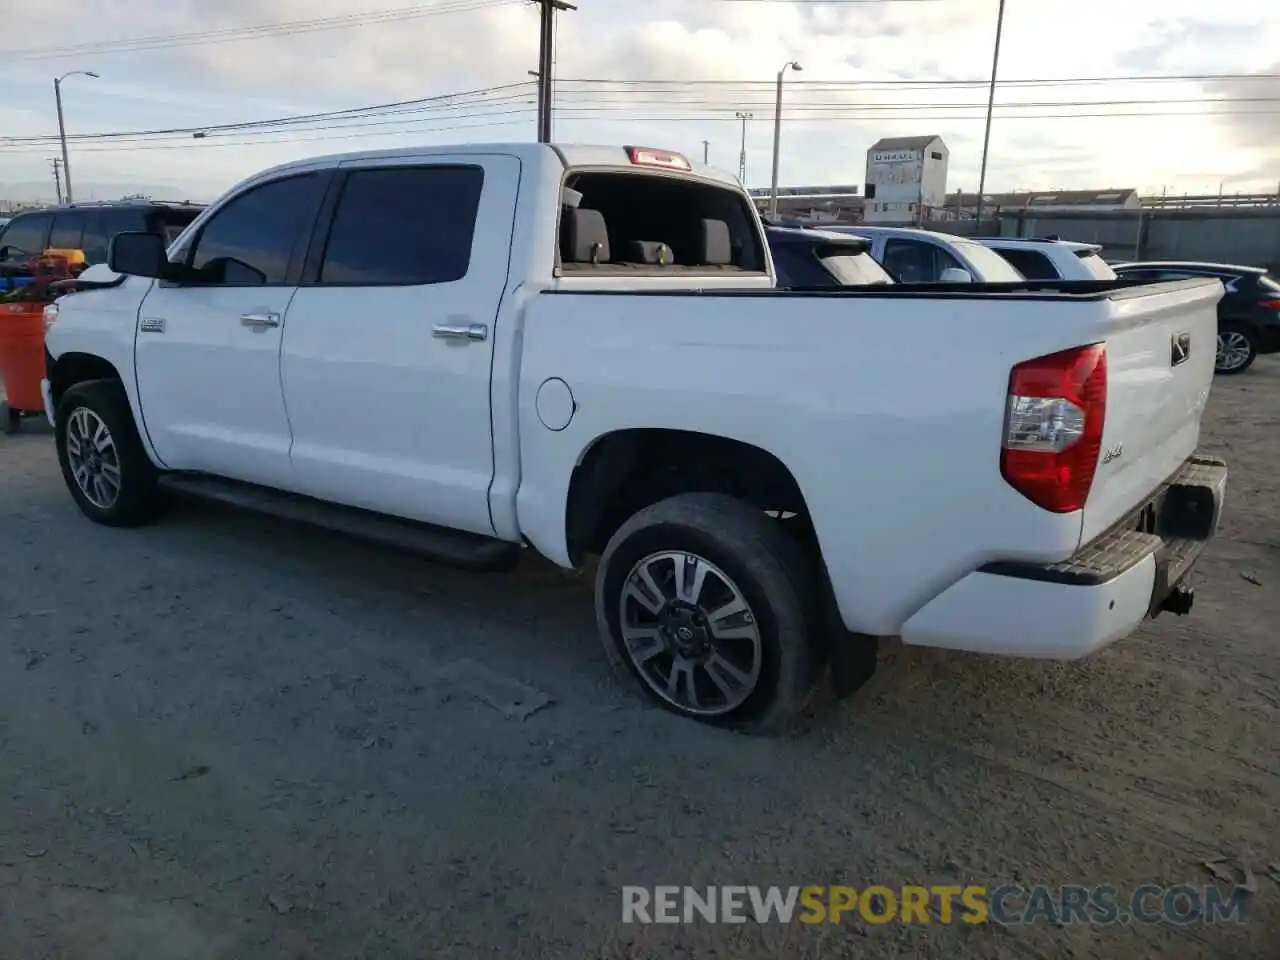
1053	427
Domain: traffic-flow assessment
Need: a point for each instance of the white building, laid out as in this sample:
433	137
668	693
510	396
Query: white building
906	179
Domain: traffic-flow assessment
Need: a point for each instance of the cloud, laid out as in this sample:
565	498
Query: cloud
687	69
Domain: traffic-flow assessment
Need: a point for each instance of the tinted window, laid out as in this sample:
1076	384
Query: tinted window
1030	263
796	266
68	231
911	261
404	225
25	236
95	239
251	240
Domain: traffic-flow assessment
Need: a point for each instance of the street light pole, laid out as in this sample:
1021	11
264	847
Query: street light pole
777	136
991	103
62	127
742	157
706	152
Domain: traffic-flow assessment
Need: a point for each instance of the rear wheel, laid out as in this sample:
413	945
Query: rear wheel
1237	347
705	605
103	462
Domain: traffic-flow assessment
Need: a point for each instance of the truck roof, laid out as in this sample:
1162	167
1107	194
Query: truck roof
570	155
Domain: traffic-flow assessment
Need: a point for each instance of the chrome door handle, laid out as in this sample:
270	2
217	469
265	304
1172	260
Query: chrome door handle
460	331
260	320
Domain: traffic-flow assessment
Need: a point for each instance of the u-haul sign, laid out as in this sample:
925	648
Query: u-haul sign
892	156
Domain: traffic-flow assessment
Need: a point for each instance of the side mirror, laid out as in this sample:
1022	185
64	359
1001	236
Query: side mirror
138	255
955	275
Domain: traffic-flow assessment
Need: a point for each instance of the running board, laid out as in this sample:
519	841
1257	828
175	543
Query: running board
454	547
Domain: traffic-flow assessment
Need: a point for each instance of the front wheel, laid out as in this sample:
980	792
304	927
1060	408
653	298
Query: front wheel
707	607
103	462
1237	348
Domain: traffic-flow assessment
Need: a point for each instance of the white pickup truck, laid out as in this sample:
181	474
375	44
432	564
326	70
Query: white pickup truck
473	350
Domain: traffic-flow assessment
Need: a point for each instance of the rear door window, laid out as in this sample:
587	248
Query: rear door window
68	231
912	261
403	226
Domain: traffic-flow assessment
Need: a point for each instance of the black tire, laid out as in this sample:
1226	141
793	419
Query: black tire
1236	329
137	500
768	568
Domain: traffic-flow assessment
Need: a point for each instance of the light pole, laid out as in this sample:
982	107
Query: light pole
777	136
706	152
742	157
991	103
62	127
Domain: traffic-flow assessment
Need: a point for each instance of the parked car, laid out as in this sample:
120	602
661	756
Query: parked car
474	349
922	256
820	258
1051	258
89	227
1248	313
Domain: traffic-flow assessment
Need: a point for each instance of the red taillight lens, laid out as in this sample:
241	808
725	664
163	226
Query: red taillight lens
1053	427
1270	304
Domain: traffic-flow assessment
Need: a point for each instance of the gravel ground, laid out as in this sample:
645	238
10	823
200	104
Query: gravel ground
226	737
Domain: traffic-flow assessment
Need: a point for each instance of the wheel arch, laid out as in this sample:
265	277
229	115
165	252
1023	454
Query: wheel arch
76	367
623	471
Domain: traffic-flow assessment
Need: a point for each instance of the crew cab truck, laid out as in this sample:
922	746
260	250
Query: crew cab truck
581	350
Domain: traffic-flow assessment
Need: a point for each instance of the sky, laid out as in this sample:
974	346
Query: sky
666	73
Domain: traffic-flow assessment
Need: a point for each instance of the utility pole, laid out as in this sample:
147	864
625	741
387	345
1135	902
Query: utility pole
546	61
706	152
62	127
742	157
991	103
777	136
57	176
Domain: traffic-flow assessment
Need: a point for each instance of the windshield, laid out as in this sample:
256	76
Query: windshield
859	269
1097	268
988	265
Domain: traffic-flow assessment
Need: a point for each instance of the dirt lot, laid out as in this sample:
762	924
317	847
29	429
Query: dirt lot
224	737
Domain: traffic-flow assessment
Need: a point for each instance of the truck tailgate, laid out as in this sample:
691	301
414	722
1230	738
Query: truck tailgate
1161	341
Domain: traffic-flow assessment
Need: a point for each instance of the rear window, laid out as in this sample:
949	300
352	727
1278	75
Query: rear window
627	221
1032	264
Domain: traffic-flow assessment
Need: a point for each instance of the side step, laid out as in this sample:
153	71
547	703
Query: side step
454	547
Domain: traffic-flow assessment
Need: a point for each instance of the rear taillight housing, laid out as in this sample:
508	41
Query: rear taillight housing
1053	427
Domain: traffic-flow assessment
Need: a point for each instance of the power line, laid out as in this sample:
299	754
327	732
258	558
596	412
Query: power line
522	116
255	32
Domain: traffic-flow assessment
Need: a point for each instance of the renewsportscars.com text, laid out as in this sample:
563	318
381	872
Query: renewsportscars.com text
1007	905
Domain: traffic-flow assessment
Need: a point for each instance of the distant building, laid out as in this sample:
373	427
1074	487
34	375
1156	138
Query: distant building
906	179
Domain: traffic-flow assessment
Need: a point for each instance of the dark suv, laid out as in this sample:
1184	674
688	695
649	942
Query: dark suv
1248	313
88	227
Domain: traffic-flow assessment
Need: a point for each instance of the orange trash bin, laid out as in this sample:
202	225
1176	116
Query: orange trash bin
22	336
